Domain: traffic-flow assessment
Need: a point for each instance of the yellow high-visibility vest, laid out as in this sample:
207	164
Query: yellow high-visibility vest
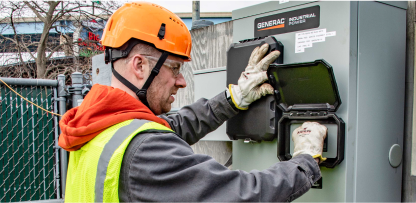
94	169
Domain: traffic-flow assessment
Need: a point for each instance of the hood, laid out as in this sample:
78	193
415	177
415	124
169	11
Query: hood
103	107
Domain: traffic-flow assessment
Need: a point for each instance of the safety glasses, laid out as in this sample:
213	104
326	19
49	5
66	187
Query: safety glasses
175	66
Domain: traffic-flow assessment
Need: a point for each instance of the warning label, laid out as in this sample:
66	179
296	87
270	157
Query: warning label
291	21
307	39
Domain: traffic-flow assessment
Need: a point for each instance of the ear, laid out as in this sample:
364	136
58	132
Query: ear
138	67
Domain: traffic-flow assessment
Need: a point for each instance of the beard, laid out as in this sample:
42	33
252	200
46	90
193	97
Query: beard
157	103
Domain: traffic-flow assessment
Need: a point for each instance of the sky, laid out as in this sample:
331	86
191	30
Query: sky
205	6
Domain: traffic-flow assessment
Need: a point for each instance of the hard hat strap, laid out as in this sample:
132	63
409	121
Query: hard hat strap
156	69
112	55
141	93
123	80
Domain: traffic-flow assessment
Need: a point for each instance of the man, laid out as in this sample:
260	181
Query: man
121	151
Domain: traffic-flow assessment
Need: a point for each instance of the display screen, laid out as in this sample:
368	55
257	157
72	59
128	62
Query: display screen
308	83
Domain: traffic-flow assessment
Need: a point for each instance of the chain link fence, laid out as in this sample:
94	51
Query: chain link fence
29	161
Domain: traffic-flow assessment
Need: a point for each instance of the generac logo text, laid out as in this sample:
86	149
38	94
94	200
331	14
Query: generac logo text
271	24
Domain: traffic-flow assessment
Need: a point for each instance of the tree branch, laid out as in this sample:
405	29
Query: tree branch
37	6
35	11
54	50
16	40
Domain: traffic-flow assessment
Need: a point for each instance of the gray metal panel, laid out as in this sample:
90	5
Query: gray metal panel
101	72
208	83
351	126
335	50
367	85
266	7
380	99
400	4
250	156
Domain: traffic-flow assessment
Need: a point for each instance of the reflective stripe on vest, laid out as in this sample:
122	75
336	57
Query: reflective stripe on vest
94	170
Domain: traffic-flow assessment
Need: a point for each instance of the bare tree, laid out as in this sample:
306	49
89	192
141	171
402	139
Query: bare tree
42	49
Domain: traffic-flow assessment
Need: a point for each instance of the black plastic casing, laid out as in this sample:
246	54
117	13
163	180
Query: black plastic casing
238	55
323	113
259	122
284	134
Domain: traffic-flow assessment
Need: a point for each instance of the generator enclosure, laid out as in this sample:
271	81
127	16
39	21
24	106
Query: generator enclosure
365	43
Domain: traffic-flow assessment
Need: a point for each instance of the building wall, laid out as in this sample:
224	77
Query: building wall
209	50
188	21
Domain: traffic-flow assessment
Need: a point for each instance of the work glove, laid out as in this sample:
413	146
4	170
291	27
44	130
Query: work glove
251	84
309	139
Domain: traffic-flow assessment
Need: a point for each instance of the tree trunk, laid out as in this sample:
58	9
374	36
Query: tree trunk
41	59
41	65
41	55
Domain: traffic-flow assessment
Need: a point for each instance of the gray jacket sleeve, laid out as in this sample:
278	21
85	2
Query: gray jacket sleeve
162	167
194	121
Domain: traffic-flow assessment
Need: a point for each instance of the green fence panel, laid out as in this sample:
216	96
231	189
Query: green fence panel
9	150
31	146
39	147
15	148
27	139
31	193
19	145
50	141
25	135
3	145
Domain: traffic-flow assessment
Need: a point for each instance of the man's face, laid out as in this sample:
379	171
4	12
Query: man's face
165	85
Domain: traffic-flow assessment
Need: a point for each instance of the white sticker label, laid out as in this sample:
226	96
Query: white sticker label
307	39
331	34
283	1
300	50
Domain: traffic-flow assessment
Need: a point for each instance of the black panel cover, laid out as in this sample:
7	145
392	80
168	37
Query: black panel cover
239	53
260	120
305	86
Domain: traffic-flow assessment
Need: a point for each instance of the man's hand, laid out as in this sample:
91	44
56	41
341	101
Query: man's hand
309	139
251	84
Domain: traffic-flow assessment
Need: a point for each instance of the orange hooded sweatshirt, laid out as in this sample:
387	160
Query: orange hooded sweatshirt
103	107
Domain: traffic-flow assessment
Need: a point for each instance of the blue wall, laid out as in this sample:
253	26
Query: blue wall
36	28
25	28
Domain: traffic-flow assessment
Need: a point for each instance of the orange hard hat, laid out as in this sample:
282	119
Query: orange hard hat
143	21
